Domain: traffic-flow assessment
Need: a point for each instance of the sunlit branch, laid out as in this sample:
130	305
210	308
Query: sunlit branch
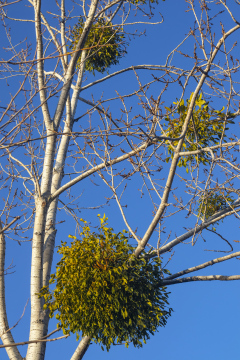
201	278
10	224
138	67
34	341
209	148
95	169
14	2
211	220
202	266
172	171
82	348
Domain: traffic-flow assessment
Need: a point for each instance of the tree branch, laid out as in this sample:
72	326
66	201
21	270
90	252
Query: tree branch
8	226
202	266
176	156
5	333
216	217
209	149
201	278
135	67
82	348
95	169
34	341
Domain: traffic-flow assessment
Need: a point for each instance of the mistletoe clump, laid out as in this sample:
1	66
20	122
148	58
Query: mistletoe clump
213	202
205	129
141	2
104	44
105	292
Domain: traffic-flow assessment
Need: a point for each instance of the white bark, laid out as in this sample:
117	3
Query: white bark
37	326
81	349
58	173
45	220
5	332
57	177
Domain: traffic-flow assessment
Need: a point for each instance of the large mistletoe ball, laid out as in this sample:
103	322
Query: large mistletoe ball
105	292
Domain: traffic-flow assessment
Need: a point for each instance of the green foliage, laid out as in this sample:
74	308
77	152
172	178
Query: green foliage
104	291
105	45
213	202
205	129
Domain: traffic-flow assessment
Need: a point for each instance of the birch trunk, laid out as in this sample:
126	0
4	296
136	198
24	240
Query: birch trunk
5	333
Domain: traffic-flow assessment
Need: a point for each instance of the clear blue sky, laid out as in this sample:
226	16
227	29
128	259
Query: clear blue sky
206	317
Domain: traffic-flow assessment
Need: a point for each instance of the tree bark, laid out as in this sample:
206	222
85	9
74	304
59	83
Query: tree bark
5	332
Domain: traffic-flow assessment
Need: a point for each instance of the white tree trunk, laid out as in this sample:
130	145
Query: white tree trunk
5	333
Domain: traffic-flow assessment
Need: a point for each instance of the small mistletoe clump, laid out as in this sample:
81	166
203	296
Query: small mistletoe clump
105	292
104	44
205	128
142	2
214	202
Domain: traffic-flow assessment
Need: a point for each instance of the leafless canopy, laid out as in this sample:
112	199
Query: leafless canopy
74	142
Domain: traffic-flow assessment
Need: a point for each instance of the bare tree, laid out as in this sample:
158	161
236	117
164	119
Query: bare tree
180	153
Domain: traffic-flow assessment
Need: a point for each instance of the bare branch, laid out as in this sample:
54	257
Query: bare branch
10	224
202	266
201	278
34	341
95	169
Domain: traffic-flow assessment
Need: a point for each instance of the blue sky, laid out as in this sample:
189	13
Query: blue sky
206	317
